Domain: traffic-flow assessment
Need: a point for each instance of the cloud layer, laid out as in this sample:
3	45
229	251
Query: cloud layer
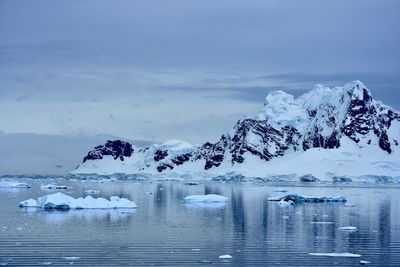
182	69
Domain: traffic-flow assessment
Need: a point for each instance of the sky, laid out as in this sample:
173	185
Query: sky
182	69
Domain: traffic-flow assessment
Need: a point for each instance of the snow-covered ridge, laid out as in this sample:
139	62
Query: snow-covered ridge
326	132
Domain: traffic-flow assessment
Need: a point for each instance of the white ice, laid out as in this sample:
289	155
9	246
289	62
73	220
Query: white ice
62	201
225	257
348	228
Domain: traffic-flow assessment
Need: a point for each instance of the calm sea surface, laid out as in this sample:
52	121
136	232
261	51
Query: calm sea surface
163	231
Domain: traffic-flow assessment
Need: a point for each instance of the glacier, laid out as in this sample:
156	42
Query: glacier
338	134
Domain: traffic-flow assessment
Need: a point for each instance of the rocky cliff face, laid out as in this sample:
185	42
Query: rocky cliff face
321	118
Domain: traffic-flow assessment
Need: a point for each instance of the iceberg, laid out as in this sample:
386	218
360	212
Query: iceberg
296	199
60	201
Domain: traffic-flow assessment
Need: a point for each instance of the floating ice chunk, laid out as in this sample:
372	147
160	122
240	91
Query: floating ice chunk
91	192
61	201
346	254
364	262
308	199
225	257
349	205
205	198
52	187
348	228
14	185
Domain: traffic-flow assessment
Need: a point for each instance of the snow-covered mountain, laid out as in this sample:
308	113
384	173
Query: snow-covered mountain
325	132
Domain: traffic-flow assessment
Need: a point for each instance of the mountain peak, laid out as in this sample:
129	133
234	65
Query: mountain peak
358	90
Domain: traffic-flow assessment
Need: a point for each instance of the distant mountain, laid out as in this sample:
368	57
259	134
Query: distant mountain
325	132
45	154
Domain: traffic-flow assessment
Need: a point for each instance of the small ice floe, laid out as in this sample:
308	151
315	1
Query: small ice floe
14	185
349	205
296	199
91	192
364	262
47	263
52	187
348	228
345	254
225	257
60	201
285	217
71	258
281	190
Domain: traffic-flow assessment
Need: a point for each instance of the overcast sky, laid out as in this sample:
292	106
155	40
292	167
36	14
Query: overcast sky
182	69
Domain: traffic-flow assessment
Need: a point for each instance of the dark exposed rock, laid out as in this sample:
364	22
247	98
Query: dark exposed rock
117	149
164	166
179	160
160	154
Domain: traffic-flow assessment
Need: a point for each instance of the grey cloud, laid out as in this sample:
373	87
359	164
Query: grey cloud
66	65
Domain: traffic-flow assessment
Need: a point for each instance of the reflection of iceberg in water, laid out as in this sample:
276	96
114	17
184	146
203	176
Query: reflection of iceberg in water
89	214
214	205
